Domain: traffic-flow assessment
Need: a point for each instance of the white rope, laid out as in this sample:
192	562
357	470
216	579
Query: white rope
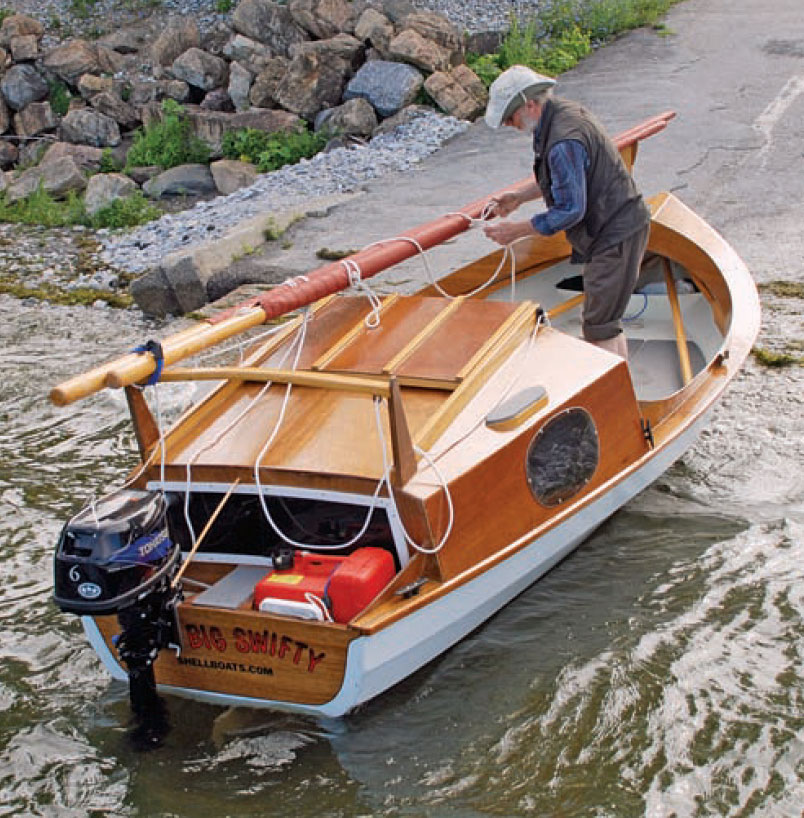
355	275
317	602
298	340
386	479
287	538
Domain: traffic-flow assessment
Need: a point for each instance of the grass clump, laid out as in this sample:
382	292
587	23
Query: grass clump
563	33
274	150
328	254
168	143
59	97
776	360
41	208
783	289
131	211
68	298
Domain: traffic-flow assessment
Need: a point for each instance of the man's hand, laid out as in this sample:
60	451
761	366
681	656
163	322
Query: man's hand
508	232
505	204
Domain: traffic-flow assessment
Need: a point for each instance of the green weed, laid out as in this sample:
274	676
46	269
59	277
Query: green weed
783	289
59	97
108	163
41	208
563	33
131	211
168	143
776	360
271	151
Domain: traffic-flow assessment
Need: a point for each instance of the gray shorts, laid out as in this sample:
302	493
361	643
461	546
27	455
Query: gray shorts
609	279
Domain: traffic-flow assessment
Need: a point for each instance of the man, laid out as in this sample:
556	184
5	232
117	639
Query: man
589	194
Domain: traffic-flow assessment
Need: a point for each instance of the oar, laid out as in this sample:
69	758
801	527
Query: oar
566	305
203	534
678	324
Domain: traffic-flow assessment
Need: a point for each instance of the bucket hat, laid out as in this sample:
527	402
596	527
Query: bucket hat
513	88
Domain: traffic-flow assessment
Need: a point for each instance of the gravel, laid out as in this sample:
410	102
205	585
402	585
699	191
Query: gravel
337	171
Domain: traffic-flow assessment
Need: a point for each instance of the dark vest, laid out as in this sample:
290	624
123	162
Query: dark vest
614	206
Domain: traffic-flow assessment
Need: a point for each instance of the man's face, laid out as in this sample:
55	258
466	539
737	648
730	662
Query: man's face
525	118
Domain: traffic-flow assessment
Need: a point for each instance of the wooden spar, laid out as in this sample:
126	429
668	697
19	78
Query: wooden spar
678	324
307	289
322	380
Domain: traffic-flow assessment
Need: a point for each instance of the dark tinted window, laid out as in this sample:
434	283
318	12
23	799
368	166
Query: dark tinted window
563	457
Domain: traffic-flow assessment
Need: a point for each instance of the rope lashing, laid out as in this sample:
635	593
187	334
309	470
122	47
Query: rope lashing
155	349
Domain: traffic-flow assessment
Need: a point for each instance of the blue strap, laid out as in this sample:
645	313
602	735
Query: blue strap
155	348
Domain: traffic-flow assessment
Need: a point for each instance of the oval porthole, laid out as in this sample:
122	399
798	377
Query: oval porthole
563	456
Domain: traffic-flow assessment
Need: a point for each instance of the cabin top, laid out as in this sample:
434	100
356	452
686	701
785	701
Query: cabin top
454	362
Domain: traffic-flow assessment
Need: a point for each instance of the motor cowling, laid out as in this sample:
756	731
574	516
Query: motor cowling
113	552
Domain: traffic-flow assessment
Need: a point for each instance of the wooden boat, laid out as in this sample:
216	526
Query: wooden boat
372	482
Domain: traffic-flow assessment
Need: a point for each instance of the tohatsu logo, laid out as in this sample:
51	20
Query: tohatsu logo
89	590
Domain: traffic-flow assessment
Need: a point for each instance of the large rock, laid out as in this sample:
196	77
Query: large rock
85	156
90	84
21	85
5	116
19	25
439	29
313	81
183	180
34	119
354	118
179	34
218	100
69	61
460	93
129	40
409	46
242	49
388	86
230	175
105	188
323	18
114	107
268	23
211	125
57	178
87	127
266	83
8	154
111	62
341	52
375	30
240	80
200	69
25	47
397	10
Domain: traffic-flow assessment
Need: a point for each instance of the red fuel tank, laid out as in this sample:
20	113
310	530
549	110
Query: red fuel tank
346	585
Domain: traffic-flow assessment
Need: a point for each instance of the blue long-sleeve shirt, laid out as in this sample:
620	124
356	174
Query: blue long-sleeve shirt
568	162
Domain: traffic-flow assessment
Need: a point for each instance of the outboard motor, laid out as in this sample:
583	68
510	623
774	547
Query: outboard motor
116	557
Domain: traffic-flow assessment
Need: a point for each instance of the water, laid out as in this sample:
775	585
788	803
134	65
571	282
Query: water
655	672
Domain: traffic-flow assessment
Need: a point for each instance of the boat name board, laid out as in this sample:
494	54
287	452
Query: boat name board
248	641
